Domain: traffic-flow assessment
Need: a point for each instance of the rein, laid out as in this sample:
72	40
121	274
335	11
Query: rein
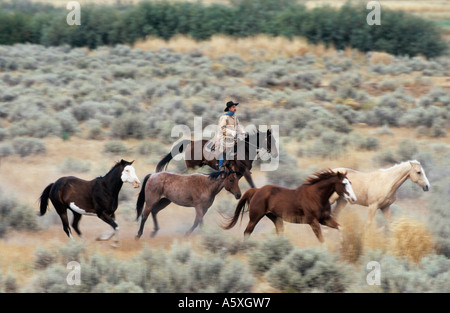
258	149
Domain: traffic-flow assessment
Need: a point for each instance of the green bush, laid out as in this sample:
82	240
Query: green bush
268	253
400	33
309	270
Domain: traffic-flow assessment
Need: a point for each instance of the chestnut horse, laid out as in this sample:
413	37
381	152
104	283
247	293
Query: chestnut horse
307	204
95	197
194	190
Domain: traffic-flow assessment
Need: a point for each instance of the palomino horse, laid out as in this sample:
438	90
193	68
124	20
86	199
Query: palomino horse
307	204
194	190
245	153
95	197
377	189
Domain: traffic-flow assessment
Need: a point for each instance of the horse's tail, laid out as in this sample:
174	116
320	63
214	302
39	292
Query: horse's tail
141	197
177	149
248	195
44	199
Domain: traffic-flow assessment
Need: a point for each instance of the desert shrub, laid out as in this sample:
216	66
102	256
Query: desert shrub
399	275
43	258
95	130
115	147
439	128
436	96
439	214
151	148
83	111
128	125
411	239
268	253
69	126
126	287
15	215
8	283
369	143
308	270
385	157
28	146
6	149
71	165
287	174
51	280
217	240
352	238
406	149
304	80
330	144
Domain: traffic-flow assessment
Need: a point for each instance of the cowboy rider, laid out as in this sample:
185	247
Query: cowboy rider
229	130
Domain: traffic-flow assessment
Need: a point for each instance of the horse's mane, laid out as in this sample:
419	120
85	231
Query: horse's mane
215	175
398	164
118	163
319	176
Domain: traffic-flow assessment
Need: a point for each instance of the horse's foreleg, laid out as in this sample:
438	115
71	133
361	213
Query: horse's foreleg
372	210
110	221
387	214
248	178
340	204
315	226
198	219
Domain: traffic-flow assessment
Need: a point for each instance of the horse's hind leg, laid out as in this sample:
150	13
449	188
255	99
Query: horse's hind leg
65	222
278	223
76	220
161	205
255	217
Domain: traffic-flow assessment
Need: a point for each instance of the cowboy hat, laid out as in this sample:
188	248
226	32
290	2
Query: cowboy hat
229	105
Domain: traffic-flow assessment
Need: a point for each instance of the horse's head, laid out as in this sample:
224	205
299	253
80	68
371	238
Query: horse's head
417	175
129	174
231	182
344	188
272	149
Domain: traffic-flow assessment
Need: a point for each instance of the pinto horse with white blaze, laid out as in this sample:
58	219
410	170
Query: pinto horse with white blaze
95	197
377	189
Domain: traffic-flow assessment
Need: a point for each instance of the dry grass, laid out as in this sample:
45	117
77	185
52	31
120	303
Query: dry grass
260	47
411	239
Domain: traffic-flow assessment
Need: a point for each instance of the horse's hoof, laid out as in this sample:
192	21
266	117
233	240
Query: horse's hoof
115	245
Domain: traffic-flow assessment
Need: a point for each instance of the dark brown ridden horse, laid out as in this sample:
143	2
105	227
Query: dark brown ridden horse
194	190
307	204
245	153
95	197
